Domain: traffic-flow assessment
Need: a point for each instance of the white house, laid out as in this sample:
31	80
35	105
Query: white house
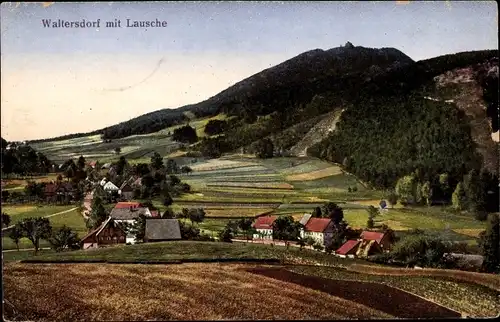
320	229
110	187
264	227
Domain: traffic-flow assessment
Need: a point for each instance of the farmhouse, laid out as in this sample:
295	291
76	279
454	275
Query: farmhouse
382	239
126	191
128	204
50	191
107	234
129	215
264	227
349	249
162	230
320	229
109	187
92	164
137	183
367	248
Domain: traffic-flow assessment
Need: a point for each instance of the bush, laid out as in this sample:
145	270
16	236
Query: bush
318	247
188	232
384	258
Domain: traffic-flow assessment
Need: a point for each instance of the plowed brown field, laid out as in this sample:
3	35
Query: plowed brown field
89	292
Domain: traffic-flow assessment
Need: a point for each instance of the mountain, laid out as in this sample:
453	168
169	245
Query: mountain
375	111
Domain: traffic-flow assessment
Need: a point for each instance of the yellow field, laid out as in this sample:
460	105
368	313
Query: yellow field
221	164
469	232
72	292
313	175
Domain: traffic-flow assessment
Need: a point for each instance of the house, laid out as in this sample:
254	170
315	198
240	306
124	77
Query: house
126	191
103	182
137	183
50	192
367	248
155	214
92	164
162	230
349	249
109	187
264	227
383	239
128	215
106	166
108	233
128	204
112	171
320	229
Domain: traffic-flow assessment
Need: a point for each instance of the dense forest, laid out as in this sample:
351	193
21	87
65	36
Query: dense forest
23	160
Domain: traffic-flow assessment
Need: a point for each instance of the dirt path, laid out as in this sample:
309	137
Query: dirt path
23	249
56	214
377	296
87	201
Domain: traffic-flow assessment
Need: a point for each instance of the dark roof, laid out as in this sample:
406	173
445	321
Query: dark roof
128	213
96	231
162	229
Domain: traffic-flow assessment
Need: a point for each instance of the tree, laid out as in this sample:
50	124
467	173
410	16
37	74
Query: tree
421	250
138	229
173	180
172	167
156	161
197	215
185	134
309	241
474	191
167	199
426	193
186	169
118	150
316	212
444	184
97	213
64	238
392	198
227	233
120	165
5	220
264	148
334	212
214	127
490	244
168	214
245	225
372	213
81	163
459	199
35	229
285	228
405	189
16	234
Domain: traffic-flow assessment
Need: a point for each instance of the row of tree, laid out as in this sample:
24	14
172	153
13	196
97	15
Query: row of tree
22	159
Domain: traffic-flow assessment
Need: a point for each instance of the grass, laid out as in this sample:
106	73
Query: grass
314	175
72	219
198	250
236	212
20	212
158	292
469	298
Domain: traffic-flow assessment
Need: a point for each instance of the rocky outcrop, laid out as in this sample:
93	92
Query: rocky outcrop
462	86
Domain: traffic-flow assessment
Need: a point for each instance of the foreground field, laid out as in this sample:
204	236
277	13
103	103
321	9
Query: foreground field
92	292
467	297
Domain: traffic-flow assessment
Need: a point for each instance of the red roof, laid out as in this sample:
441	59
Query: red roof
349	246
264	222
317	225
372	235
128	204
155	214
92	163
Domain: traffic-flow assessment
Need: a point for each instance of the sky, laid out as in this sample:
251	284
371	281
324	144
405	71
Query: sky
57	81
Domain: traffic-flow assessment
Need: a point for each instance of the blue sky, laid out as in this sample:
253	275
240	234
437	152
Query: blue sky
207	46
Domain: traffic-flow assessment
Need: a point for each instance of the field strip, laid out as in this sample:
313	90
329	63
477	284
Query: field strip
59	213
489	280
313	175
24	249
377	296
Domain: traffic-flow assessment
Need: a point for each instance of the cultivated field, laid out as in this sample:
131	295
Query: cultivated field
88	292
